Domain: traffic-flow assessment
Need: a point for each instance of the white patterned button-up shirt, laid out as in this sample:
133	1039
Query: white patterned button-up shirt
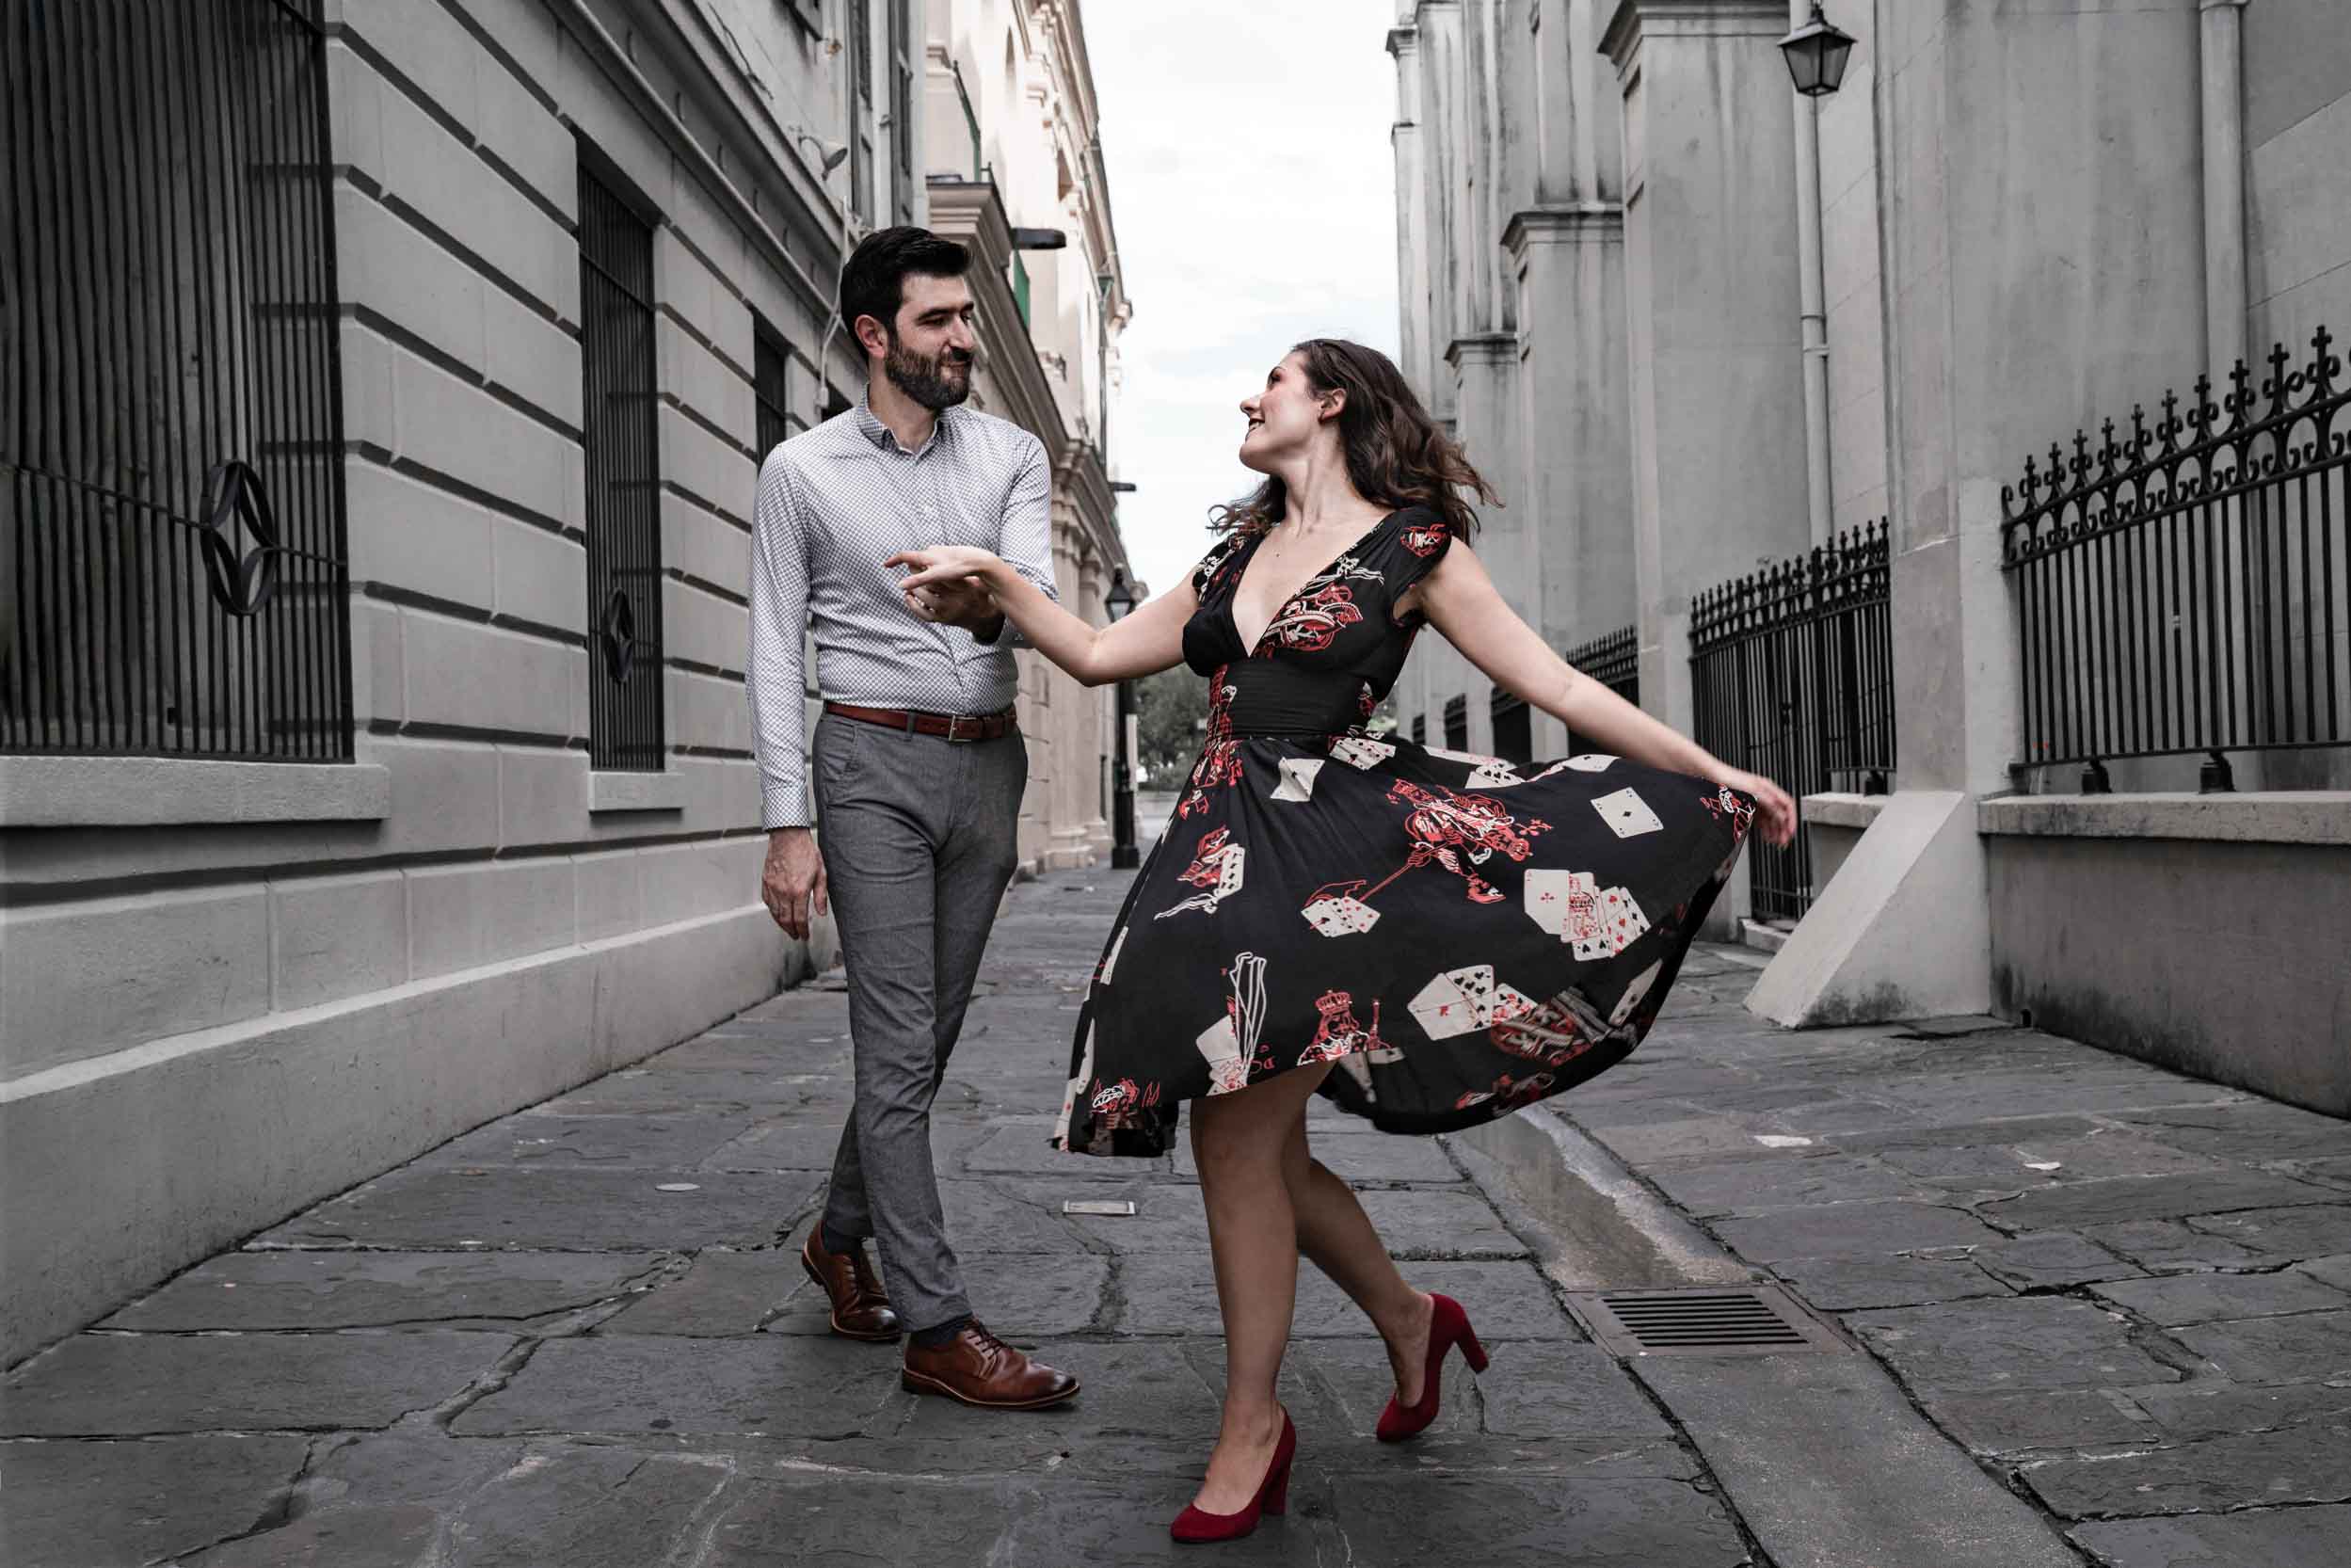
833	504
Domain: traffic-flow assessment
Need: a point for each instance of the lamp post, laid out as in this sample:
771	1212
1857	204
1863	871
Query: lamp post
1125	857
1816	53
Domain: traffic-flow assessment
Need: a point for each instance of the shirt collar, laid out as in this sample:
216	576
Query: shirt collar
871	426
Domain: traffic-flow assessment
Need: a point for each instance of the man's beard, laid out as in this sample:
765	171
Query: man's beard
928	382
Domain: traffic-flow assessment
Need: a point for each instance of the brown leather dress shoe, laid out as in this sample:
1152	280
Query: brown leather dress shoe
978	1368
860	1310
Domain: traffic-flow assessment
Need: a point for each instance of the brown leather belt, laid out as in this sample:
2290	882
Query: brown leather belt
947	726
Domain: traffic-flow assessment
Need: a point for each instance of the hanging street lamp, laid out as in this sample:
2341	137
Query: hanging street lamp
1816	53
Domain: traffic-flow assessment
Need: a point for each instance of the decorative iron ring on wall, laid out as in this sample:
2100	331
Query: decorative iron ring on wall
234	497
616	634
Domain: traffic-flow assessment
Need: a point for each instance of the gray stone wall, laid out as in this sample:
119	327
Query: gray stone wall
231	994
2297	188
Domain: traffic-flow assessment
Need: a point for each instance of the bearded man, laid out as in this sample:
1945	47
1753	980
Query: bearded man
918	769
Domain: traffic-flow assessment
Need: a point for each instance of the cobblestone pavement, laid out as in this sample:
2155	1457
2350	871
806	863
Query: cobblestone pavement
580	1336
2126	1293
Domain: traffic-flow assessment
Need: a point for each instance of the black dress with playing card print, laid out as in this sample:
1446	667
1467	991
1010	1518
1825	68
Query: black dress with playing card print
1459	934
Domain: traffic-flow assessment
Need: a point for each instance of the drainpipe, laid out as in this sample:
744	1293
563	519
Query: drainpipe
2223	63
1814	296
2221	66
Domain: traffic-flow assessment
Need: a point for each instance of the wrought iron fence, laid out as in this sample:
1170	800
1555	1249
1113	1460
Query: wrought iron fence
1613	658
2182	588
172	577
624	518
1792	677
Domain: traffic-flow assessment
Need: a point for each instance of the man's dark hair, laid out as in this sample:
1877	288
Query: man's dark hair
874	283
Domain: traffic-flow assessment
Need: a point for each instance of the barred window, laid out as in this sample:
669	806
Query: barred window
1457	723
172	566
621	438
1420	730
771	388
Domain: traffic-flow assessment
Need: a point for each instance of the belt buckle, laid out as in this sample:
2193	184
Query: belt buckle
954	723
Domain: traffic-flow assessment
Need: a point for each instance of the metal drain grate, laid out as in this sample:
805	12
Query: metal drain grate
1755	1319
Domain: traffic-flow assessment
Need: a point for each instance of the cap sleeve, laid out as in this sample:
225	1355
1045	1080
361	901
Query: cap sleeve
1422	539
1212	565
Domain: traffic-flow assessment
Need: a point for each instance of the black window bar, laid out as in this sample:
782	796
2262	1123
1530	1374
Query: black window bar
621	436
1792	677
1457	723
2186	587
1613	658
173	562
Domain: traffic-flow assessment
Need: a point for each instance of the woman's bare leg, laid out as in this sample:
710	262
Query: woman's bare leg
1336	1233
1237	1142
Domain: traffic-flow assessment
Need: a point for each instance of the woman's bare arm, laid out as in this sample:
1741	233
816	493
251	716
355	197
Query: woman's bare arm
1461	601
1145	642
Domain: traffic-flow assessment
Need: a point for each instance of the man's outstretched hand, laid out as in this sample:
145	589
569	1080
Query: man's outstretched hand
964	602
791	884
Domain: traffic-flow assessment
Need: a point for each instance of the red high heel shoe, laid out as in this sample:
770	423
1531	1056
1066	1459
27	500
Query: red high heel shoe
1449	1326
1197	1525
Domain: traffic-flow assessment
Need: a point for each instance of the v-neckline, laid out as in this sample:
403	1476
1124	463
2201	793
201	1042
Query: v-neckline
1240	579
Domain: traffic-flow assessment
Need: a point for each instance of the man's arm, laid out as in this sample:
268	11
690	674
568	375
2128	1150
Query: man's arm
779	620
1026	541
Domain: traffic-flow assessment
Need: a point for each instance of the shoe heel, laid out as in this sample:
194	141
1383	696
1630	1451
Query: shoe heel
1473	1351
1277	1493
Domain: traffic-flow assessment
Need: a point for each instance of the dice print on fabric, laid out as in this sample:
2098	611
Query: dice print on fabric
1445	936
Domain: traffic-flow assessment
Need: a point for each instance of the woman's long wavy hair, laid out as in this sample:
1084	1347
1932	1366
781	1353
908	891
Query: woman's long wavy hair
1397	457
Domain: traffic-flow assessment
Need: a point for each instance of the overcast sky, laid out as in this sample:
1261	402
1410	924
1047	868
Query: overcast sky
1246	143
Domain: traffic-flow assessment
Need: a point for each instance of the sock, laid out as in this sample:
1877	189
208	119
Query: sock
834	1241
932	1337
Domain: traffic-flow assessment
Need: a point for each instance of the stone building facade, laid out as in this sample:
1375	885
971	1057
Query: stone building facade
397	774
1010	157
1692	325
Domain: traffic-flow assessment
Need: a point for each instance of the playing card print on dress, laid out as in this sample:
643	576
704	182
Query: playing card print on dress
1452	934
1360	751
1216	868
1468	998
1596	922
1230	1044
1627	815
1338	1035
1633	994
1335	911
1298	774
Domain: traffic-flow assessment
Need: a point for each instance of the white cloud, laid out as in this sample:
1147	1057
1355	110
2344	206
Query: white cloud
1246	143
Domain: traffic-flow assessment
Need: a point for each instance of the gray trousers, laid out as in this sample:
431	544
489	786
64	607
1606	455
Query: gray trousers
918	837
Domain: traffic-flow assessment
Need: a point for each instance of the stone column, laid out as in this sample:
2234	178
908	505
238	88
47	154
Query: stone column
2002	335
1711	289
1570	263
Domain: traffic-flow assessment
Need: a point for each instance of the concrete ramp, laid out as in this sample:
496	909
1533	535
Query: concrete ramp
1900	932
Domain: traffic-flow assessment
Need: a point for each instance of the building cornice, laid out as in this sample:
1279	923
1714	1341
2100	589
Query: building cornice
1574	223
1490	347
1637	21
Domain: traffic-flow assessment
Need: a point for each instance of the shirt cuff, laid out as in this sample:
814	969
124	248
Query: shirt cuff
783	806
